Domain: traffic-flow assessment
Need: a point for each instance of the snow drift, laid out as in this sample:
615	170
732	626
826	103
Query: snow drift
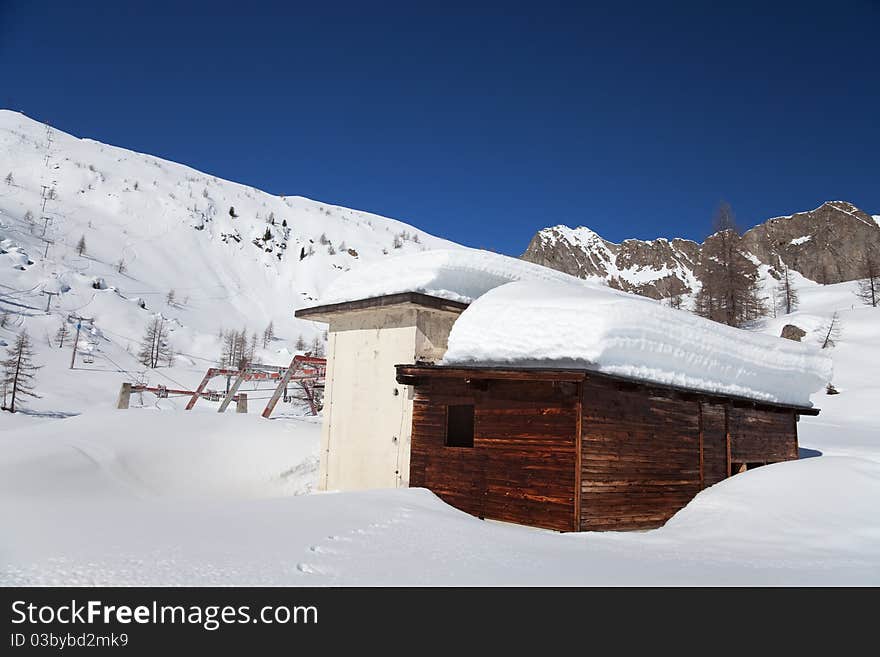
541	324
458	275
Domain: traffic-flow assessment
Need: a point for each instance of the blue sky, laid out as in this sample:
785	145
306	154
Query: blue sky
480	123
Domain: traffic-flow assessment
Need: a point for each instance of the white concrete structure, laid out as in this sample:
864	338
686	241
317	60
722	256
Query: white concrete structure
365	441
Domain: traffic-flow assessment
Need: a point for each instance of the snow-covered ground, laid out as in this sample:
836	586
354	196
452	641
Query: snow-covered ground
147	496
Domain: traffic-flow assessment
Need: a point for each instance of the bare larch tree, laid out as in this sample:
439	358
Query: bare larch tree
18	371
154	346
830	331
786	293
868	289
730	279
61	334
268	334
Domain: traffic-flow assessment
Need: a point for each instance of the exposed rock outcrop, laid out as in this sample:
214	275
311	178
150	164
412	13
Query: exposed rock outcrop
827	245
792	332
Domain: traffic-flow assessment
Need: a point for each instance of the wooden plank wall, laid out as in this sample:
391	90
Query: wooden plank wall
758	436
522	466
641	457
714	423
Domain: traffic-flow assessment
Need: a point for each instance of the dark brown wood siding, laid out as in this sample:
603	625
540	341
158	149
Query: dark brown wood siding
640	460
583	452
522	465
714	422
758	436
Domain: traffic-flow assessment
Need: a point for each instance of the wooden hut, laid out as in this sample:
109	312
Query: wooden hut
577	450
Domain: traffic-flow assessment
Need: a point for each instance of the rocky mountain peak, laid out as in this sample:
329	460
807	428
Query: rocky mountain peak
827	245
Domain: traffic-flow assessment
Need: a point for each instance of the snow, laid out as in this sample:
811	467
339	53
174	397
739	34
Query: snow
797	241
171	226
528	324
166	497
155	454
90	519
156	495
458	275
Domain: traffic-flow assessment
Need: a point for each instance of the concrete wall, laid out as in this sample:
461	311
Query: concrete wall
365	441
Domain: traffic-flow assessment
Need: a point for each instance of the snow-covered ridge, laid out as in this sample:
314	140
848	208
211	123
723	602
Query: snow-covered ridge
541	324
236	257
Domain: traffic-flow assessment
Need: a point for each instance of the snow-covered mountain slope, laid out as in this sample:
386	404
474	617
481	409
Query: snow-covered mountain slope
234	256
826	245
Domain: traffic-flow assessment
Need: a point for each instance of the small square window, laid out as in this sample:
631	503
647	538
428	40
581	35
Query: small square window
460	425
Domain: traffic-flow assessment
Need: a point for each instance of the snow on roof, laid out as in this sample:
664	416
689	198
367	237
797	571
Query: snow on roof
549	324
455	274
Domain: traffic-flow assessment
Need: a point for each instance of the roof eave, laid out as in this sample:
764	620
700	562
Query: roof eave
325	312
408	374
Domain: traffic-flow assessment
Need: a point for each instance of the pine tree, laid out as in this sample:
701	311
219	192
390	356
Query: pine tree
267	235
154	347
120	266
787	296
268	334
18	371
61	334
729	292
868	289
170	297
300	343
81	245
9	178
317	347
323	239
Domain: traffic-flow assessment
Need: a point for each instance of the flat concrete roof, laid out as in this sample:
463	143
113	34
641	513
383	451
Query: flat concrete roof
324	312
